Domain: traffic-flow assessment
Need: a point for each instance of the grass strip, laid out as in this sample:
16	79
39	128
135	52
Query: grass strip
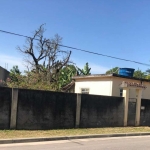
9	134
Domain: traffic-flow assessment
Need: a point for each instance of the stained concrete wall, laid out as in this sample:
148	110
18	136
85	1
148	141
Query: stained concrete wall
5	105
45	110
101	111
131	113
145	113
55	110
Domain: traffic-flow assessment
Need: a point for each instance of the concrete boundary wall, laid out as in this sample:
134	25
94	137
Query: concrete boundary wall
101	111
145	112
35	109
45	110
5	107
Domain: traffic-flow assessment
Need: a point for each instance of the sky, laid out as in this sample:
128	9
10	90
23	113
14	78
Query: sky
112	27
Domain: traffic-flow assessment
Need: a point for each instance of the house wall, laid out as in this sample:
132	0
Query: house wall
3	74
116	86
146	92
132	92
98	86
109	86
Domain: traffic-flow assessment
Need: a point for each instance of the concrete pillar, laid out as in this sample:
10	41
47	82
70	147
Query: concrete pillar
78	109
138	107
126	100
14	103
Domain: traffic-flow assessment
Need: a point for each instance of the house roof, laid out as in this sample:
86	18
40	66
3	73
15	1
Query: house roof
106	76
68	86
4	69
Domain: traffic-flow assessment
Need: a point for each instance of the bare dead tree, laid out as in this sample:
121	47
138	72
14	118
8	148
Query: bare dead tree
44	55
36	52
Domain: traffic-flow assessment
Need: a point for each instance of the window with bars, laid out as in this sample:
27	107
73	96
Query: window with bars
121	92
85	91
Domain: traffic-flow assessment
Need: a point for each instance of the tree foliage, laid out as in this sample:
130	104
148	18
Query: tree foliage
139	74
66	75
14	72
48	66
44	61
85	71
31	80
113	70
37	80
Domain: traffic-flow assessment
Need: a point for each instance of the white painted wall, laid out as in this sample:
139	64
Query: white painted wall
99	86
132	92
116	86
146	92
109	86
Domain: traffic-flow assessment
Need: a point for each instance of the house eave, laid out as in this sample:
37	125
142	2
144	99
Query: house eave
96	76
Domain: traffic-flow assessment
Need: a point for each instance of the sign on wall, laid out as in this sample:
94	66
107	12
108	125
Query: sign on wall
132	84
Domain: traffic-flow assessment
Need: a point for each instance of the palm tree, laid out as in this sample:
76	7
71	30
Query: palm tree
85	71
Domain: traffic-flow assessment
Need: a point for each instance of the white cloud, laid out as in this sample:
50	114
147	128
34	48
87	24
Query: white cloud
11	61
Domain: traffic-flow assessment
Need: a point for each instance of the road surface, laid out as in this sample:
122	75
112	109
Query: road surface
117	143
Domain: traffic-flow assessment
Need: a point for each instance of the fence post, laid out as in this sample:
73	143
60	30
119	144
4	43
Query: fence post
138	107
126	101
78	109
14	102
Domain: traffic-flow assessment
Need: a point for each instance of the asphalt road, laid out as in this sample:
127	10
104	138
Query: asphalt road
117	143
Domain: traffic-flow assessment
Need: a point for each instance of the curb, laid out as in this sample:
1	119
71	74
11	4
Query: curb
26	140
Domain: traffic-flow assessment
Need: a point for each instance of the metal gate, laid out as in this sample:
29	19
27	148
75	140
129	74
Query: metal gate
131	112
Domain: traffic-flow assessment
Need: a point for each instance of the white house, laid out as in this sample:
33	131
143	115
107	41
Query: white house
110	85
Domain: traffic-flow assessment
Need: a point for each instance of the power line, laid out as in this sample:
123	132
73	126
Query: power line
14	33
105	55
7	32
